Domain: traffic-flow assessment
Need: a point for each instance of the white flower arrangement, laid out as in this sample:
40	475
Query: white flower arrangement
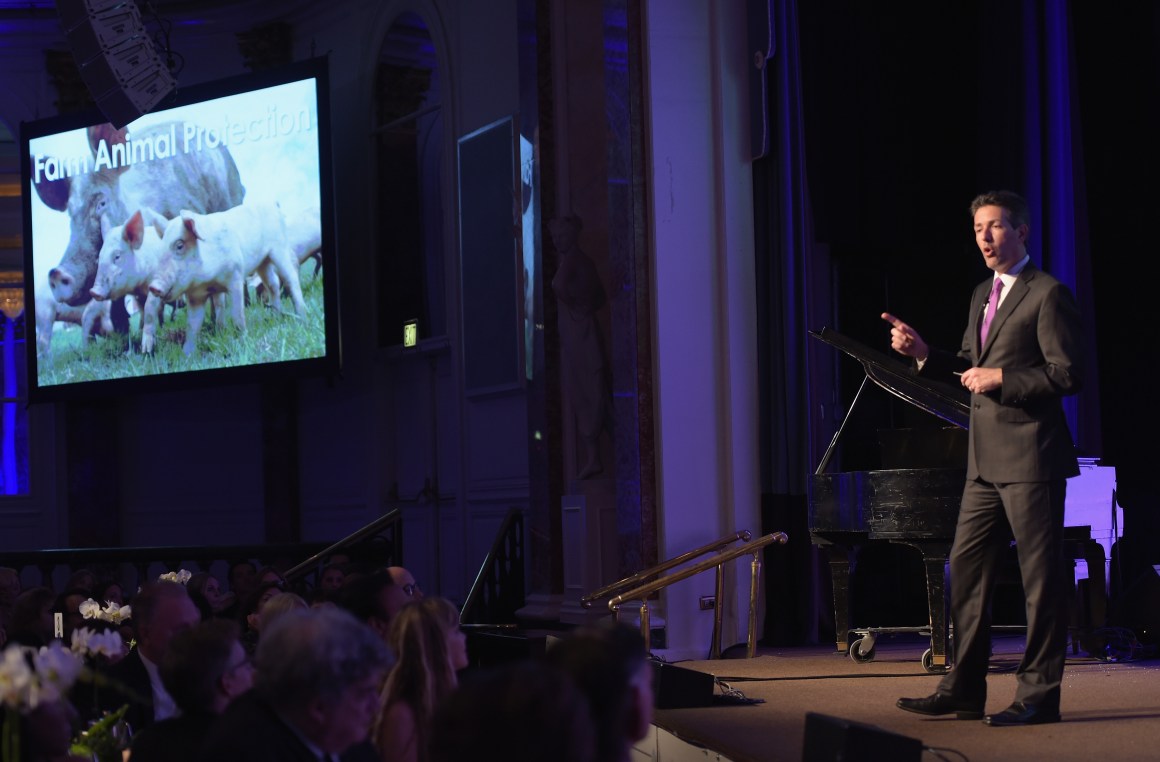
111	613
30	677
177	576
108	643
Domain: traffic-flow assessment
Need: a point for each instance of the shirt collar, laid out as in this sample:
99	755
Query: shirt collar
1009	277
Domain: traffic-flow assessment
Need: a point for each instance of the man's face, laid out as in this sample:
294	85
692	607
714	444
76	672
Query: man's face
1001	242
348	720
405	581
391	599
331	579
173	615
243	579
239	674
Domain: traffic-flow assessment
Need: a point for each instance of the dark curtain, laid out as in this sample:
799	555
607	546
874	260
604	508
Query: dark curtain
885	122
787	269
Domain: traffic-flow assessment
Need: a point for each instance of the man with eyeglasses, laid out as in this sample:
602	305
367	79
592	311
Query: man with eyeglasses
204	669
405	581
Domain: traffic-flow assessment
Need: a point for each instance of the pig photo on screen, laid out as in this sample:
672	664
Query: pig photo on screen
190	239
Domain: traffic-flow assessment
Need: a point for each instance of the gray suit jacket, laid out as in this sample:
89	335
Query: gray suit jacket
1018	433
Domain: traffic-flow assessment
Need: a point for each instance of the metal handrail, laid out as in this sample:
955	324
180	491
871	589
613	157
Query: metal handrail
588	600
480	577
392	516
642	592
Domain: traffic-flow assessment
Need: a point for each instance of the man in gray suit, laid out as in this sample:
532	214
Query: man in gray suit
1021	354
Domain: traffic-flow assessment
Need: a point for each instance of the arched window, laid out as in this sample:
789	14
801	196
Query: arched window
409	214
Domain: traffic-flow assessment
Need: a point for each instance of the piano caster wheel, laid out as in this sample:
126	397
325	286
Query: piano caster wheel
929	666
858	655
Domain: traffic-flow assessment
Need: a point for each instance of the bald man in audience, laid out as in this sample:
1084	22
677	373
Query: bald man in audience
405	581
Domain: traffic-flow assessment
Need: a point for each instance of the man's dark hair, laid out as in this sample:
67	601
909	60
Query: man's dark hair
149	597
602	659
519	711
1015	205
362	595
195	661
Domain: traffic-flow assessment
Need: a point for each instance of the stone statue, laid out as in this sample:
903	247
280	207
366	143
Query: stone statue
584	368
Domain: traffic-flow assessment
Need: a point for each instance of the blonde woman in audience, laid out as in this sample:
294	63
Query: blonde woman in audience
431	650
278	605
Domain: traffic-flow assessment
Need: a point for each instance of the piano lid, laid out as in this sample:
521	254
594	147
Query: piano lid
950	402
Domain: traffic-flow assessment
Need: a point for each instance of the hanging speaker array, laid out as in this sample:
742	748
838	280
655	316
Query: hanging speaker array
116	57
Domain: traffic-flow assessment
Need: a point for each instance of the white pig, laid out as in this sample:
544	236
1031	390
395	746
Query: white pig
208	254
49	311
130	254
304	236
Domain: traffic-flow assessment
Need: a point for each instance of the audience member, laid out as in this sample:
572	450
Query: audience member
609	663
278	605
68	605
519	712
204	669
315	693
318	598
82	579
32	617
332	577
109	591
430	651
46	732
374	599
160	611
405	581
270	573
243	578
206	590
250	614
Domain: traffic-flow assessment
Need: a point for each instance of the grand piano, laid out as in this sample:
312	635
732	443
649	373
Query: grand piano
915	503
914	500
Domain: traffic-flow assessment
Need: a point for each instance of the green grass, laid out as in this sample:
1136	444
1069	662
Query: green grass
270	336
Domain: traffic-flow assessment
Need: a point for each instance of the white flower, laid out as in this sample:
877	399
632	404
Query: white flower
113	613
116	614
177	576
57	669
29	677
15	677
105	643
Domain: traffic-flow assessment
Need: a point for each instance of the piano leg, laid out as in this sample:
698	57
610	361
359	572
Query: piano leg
934	558
1095	617
840	579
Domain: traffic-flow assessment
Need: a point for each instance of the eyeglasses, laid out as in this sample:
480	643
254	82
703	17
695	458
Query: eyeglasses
410	589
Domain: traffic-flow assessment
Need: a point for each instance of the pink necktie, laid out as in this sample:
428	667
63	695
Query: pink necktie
992	305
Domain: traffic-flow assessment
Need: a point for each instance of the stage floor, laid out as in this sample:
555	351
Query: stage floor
1110	709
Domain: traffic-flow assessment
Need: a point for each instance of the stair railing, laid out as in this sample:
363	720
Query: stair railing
640	577
643	592
392	519
498	589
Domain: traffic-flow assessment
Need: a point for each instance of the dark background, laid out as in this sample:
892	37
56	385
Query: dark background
910	110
